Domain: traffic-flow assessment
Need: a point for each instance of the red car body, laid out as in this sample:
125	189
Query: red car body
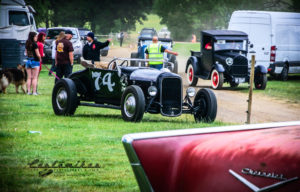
261	157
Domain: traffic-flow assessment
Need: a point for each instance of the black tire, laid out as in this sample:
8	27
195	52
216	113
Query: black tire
206	103
64	97
132	94
284	73
233	84
175	62
192	80
260	81
133	56
217	79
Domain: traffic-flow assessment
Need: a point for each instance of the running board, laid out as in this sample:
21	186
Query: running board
100	105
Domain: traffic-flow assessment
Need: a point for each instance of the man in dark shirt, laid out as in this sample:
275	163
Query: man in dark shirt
91	50
64	56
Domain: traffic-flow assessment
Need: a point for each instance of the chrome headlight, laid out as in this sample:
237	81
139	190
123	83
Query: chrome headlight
229	61
152	90
191	92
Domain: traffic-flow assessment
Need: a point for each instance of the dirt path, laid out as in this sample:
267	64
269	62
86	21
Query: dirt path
232	104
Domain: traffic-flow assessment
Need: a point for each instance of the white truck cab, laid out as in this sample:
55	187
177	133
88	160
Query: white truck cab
16	21
274	36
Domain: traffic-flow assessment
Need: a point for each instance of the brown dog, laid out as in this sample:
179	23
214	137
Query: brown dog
16	76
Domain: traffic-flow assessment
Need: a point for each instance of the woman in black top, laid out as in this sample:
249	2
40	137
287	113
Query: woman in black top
33	63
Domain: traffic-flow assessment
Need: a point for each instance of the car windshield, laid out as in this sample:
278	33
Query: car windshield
83	32
18	18
52	33
230	44
147	33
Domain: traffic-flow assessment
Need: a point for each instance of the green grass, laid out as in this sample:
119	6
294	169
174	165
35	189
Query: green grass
92	135
184	48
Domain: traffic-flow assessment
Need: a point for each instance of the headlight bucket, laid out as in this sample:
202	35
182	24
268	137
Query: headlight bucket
191	92
152	91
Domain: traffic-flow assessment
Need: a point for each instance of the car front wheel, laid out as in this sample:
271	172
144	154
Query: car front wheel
260	81
133	104
64	97
192	80
205	105
217	79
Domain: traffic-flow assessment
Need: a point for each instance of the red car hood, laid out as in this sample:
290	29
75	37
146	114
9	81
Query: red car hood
262	157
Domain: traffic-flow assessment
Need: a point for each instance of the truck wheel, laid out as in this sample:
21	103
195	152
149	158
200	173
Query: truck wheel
233	84
192	80
64	97
133	56
284	73
133	104
206	104
175	62
260	81
217	79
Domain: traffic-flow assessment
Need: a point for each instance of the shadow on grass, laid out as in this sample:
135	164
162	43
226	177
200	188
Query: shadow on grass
224	88
145	119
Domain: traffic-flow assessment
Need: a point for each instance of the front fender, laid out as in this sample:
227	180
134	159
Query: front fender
261	69
194	61
219	68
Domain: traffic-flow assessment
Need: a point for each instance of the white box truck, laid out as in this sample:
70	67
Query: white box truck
274	36
16	21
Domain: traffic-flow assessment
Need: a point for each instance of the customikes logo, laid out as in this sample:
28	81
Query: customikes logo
248	171
46	168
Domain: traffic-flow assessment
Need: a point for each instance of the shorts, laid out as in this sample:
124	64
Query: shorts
32	63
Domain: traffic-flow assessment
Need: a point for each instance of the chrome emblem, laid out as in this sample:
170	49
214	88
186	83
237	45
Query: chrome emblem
262	174
229	61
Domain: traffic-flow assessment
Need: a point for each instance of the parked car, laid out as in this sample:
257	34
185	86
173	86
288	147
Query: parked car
147	33
257	157
50	37
223	59
164	33
144	42
274	36
133	90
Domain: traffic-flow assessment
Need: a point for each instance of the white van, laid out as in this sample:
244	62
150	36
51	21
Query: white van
274	36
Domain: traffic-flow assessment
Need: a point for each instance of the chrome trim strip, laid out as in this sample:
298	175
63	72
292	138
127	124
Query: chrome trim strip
193	131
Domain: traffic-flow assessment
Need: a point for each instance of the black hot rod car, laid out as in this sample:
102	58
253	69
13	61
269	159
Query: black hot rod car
223	59
134	90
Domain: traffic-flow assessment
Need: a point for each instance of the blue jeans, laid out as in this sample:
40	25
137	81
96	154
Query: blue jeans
53	67
31	63
159	66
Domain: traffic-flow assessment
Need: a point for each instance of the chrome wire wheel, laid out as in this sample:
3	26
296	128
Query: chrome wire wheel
61	98
130	105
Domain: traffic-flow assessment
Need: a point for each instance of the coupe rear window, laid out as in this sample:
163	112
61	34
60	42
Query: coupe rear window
52	33
18	18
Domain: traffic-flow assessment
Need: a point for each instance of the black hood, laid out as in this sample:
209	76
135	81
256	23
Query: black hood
149	74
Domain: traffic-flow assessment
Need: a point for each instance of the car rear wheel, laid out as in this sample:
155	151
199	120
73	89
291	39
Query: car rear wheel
260	81
205	104
284	73
217	79
133	56
192	80
174	61
64	97
133	104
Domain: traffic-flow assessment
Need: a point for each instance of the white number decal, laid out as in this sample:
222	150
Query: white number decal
106	80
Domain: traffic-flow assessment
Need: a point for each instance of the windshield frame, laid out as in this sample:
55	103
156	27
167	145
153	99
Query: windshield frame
75	36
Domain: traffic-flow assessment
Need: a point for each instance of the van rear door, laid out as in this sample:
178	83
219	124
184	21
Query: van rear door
258	28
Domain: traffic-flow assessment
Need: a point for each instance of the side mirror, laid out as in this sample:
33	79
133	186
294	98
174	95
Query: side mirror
251	45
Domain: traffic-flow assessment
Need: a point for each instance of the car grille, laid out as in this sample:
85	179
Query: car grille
239	67
171	96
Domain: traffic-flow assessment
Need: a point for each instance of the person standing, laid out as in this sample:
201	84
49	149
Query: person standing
91	50
64	57
33	63
156	51
121	37
60	36
40	43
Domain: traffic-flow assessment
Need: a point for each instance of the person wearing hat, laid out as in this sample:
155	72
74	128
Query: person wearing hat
64	56
91	50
